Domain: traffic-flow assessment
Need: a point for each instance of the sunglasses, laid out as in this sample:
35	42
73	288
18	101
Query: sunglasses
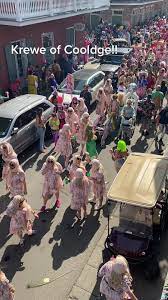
12	166
50	161
78	158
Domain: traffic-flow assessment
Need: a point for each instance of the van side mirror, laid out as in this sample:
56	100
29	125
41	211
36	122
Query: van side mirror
14	131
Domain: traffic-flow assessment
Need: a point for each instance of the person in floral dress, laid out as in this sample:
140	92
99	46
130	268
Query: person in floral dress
97	177
101	103
116	280
7	290
8	154
81	135
72	119
17	180
20	213
80	189
52	181
64	145
77	163
81	107
108	89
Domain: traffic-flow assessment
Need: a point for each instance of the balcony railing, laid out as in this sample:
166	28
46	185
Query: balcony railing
20	10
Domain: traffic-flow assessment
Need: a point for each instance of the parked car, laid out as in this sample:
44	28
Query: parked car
116	58
120	42
94	78
17	120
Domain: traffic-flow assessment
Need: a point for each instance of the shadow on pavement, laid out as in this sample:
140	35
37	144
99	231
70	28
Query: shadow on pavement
72	238
11	261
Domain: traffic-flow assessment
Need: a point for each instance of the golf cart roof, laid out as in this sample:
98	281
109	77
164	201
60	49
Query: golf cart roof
140	180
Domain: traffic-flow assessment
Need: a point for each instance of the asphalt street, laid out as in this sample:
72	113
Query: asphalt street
61	248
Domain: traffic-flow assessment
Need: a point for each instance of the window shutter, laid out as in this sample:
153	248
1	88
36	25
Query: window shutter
10	59
31	57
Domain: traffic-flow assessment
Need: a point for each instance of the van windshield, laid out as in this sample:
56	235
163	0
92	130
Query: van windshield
4	126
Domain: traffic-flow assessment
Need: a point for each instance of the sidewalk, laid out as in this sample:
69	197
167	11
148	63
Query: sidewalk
87	285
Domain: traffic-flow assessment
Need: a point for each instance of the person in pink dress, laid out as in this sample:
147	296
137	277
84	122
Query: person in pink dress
16	179
116	280
71	119
108	89
8	154
7	291
80	189
64	145
52	181
81	107
20	213
81	134
99	187
77	163
101	103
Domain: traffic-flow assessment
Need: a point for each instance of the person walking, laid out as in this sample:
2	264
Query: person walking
41	129
91	141
161	123
8	154
119	155
32	83
99	187
81	107
81	134
7	290
54	124
76	164
20	213
53	183
72	119
116	280
16	179
87	96
80	189
64	145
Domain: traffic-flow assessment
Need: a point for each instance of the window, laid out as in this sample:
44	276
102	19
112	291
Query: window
92	82
24	119
117	12
18	59
98	78
4	126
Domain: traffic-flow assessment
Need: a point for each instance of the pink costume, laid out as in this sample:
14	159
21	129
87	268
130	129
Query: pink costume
118	290
16	179
64	146
75	166
81	108
80	189
6	289
96	174
71	119
7	155
20	219
52	179
81	135
102	101
108	89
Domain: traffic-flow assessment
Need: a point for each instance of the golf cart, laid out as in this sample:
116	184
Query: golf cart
140	215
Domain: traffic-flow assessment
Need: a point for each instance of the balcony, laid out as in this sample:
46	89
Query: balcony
26	12
133	2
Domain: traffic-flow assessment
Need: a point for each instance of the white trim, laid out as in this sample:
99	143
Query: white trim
50	18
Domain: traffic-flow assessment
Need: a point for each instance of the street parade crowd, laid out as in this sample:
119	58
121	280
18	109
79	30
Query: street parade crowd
134	96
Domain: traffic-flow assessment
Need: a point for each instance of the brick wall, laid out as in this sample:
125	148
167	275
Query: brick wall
33	32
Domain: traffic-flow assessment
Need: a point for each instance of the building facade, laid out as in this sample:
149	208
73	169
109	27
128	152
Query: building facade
39	23
131	12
